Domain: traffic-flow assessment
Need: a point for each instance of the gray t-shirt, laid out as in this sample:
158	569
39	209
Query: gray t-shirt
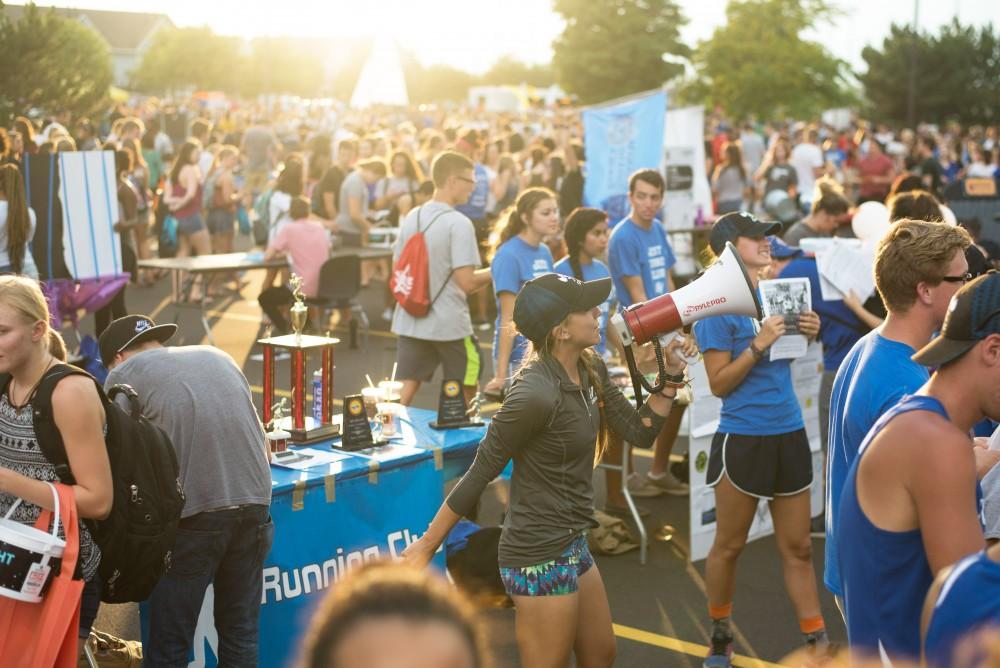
353	186
799	231
200	397
257	140
991	502
451	243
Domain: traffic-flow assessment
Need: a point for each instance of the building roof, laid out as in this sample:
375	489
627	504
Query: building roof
121	30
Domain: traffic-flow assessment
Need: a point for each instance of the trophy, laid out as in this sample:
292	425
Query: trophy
277	438
303	427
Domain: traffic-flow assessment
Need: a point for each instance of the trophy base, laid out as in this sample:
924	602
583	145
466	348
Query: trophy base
312	432
376	443
456	425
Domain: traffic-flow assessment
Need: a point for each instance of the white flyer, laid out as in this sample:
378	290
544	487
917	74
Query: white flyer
848	268
301	459
787	297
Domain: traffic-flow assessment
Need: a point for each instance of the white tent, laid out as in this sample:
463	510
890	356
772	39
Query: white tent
381	81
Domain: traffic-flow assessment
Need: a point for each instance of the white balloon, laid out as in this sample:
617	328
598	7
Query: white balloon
870	221
949	216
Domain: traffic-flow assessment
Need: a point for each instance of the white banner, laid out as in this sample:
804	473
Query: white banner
89	196
684	167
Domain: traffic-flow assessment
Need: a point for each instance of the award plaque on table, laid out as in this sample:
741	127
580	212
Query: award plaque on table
452	411
356	433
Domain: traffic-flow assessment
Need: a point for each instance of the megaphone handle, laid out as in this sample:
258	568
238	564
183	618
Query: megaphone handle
638	381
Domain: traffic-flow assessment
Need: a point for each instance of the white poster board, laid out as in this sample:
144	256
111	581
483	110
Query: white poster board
684	167
703	421
89	197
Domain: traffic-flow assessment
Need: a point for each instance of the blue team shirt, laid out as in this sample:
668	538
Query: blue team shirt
839	328
591	272
764	404
967	603
634	251
475	208
515	263
874	376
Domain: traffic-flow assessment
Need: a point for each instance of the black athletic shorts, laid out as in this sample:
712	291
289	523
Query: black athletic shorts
419	358
762	466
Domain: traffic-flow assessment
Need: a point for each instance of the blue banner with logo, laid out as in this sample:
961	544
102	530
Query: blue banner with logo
618	140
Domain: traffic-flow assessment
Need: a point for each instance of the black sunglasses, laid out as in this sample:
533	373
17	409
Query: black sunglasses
964	278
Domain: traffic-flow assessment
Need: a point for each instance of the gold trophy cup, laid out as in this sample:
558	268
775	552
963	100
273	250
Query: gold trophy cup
299	311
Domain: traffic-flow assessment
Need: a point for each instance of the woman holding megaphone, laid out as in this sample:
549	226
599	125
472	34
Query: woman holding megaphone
761	450
554	424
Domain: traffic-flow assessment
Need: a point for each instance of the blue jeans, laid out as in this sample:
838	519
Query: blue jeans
226	547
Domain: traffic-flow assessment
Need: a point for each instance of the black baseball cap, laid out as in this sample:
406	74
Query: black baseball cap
545	301
729	226
973	314
130	330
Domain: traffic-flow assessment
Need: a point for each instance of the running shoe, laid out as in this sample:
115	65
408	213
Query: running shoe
642	487
669	483
720	651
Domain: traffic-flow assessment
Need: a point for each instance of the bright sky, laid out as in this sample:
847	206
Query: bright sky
472	34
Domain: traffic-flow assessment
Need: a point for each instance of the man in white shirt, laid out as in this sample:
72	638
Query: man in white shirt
807	159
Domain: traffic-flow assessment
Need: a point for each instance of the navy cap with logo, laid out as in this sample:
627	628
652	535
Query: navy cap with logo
545	301
729	226
973	314
130	330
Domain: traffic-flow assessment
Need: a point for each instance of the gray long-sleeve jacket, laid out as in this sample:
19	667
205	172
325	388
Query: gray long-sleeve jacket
548	425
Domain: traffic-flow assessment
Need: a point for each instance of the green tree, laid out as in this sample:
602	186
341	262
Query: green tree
51	64
956	75
436	83
282	66
183	58
508	70
758	64
612	48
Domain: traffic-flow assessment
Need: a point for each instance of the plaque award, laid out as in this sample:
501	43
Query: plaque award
302	426
452	411
357	431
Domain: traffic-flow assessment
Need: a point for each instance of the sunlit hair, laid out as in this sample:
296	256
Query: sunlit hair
292	179
915	205
829	198
18	225
578	225
226	151
64	145
389	591
183	158
24	127
132	124
731	157
914	252
57	345
412	168
24	295
447	165
512	222
134	146
544	349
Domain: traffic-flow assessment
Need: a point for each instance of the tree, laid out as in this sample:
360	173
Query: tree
612	48
189	57
437	83
956	76
508	70
758	64
51	64
282	66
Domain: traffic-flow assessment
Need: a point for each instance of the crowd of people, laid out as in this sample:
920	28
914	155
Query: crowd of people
909	375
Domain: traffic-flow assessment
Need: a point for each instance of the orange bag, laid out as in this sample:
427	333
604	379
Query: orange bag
45	635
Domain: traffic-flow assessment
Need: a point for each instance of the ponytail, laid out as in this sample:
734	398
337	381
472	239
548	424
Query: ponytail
511	222
829	198
18	219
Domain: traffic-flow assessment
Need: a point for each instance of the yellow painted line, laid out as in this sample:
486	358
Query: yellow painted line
683	646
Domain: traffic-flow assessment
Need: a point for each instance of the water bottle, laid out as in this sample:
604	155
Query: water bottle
318	395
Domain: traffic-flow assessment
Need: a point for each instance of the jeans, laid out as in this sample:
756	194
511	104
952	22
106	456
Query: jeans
226	547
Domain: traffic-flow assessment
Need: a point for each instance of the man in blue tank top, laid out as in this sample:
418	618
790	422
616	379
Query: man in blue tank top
909	505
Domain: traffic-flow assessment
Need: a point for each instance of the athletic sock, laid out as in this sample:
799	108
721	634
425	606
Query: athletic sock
812	625
720	613
656	476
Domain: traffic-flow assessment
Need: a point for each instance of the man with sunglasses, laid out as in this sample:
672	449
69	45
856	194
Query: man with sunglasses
919	266
911	503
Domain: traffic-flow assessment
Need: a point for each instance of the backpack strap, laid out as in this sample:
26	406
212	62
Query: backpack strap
419	231
50	441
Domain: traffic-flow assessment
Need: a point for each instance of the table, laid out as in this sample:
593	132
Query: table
229	262
332	518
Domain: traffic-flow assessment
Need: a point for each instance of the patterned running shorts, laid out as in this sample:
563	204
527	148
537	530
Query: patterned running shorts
551	578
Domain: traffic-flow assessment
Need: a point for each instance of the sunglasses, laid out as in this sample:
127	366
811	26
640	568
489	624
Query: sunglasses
964	278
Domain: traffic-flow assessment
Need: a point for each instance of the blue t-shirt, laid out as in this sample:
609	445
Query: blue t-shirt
874	376
475	208
764	404
515	263
634	251
591	272
966	604
839	328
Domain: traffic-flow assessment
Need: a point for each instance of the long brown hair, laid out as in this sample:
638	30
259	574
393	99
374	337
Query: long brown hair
18	222
183	158
510	223
543	349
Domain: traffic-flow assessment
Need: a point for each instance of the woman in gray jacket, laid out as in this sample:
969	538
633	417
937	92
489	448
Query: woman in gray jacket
554	424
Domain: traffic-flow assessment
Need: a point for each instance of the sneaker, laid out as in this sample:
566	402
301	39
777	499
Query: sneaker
642	487
112	652
720	650
669	484
387	314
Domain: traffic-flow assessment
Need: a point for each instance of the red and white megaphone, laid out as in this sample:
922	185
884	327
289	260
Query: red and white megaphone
724	289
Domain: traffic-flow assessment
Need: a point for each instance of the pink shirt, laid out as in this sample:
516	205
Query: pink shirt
308	246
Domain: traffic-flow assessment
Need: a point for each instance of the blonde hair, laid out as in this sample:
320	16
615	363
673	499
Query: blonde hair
829	197
25	296
914	252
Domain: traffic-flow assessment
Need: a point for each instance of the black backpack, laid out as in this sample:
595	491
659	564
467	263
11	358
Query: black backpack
137	537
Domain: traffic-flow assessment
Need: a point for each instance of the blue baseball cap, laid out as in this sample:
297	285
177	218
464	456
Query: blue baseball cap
545	301
782	251
973	314
730	226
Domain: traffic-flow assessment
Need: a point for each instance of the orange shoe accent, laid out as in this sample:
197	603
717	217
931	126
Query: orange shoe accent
811	625
723	611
